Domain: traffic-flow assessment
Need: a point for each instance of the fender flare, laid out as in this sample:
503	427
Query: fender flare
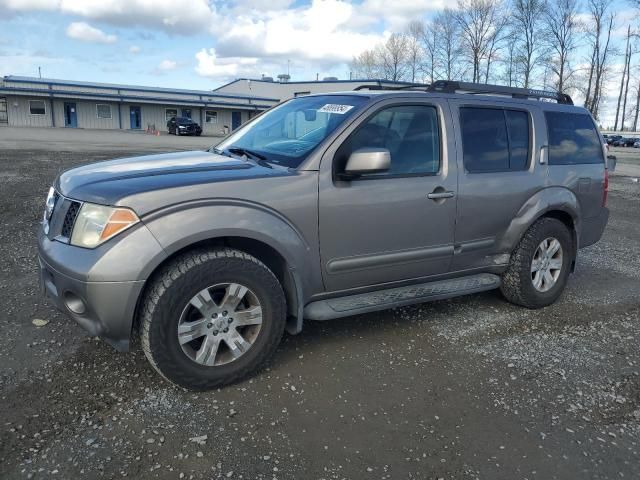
180	226
538	205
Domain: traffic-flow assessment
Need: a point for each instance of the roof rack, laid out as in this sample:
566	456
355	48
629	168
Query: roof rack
450	86
389	87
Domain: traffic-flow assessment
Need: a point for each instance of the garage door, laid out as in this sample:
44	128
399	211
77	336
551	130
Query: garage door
3	111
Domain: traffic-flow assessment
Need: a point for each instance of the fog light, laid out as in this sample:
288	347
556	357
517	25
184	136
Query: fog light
74	303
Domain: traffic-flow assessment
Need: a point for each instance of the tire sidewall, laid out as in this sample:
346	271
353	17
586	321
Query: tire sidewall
163	336
550	228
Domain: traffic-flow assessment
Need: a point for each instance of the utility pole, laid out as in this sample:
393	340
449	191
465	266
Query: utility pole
39	72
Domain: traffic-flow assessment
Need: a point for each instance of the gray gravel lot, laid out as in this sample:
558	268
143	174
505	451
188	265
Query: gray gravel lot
462	389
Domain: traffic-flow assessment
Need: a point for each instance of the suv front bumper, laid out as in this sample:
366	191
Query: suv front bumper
99	288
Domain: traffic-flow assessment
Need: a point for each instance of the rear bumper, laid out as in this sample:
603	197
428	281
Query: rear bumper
106	309
593	228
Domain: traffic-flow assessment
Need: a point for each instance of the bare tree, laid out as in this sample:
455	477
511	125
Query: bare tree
635	118
626	88
477	20
448	52
366	65
496	41
415	34
430	45
561	31
527	17
393	56
510	68
599	34
625	75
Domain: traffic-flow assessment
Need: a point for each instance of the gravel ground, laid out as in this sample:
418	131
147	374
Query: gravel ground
468	388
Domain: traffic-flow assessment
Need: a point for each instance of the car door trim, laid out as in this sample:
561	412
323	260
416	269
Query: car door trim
350	264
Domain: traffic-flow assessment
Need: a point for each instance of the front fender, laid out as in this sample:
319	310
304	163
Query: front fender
180	226
544	201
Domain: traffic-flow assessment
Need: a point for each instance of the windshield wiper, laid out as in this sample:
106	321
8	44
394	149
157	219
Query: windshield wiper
257	157
248	153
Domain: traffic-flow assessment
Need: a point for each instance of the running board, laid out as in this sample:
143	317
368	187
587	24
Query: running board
397	297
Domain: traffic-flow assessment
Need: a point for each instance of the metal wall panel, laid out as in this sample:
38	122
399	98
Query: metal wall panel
18	112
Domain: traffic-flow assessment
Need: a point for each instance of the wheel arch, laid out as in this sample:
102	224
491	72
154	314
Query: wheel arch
553	202
266	253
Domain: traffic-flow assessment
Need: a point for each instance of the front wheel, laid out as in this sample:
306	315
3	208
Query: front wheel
211	317
539	267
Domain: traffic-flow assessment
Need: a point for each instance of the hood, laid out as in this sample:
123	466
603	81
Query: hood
108	181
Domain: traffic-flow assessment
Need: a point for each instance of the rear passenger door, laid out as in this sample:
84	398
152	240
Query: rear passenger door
499	171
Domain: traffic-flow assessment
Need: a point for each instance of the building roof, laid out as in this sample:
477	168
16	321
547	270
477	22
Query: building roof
130	88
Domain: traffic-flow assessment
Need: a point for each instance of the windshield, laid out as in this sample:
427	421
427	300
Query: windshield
286	134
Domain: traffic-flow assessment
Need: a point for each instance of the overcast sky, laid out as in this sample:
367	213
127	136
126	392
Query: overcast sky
193	43
202	44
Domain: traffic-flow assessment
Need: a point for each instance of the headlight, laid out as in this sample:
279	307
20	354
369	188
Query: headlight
96	224
182	126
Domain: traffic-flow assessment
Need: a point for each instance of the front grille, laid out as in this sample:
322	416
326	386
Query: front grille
70	219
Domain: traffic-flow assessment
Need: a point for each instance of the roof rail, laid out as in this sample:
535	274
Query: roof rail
390	87
449	86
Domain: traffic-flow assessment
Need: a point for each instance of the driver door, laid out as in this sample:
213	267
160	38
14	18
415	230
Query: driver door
384	227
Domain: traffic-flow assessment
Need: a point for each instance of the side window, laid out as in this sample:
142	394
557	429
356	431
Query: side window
411	133
518	127
169	113
573	139
494	139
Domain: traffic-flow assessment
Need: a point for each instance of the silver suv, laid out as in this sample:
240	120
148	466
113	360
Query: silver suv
323	207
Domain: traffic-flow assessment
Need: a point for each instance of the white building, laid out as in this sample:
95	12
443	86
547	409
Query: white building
266	87
36	102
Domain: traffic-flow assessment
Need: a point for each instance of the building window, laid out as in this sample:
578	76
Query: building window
169	113
37	107
494	140
103	110
211	116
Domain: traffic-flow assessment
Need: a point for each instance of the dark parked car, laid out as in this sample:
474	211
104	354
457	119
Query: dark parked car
183	126
610	139
624	142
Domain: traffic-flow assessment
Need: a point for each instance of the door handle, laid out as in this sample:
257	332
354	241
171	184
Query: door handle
439	195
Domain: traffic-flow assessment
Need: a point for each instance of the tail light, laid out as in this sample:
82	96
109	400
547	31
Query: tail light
606	188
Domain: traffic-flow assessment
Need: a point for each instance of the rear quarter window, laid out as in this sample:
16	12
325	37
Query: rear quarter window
573	139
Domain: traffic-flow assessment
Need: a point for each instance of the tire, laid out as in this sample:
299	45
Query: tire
171	294
518	281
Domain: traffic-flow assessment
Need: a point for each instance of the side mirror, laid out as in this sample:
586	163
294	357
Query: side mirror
310	115
612	161
367	160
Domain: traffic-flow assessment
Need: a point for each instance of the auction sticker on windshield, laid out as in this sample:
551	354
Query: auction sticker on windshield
334	108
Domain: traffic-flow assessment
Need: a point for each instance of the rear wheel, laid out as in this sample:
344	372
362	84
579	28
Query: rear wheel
211	317
539	267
